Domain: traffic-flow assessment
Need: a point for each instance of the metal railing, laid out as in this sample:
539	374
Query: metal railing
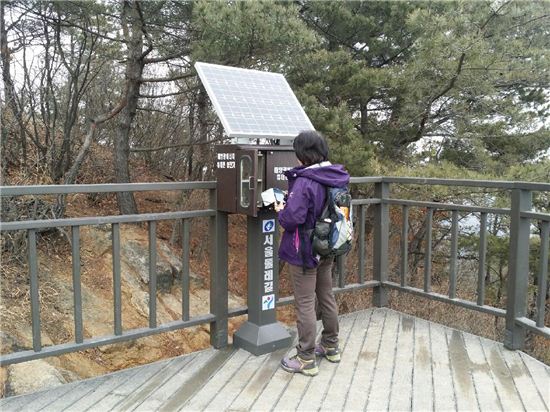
521	217
217	318
520	214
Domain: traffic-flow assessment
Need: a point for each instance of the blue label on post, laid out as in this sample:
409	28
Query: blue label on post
268	226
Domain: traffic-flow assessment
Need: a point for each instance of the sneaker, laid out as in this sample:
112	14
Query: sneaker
332	354
295	364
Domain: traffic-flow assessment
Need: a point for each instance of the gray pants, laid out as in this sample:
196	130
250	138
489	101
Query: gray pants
315	283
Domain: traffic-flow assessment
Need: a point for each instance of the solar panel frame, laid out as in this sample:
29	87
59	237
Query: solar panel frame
273	123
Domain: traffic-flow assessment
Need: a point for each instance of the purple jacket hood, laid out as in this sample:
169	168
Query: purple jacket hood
324	173
306	200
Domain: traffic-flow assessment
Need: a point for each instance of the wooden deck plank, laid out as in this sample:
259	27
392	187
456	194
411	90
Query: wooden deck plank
378	397
158	397
466	399
486	394
116	389
422	394
389	361
17	403
541	376
73	395
198	374
271	393
444	392
502	377
361	383
44	398
401	388
202	398
298	392
259	381
336	393
522	379
137	397
231	390
110	382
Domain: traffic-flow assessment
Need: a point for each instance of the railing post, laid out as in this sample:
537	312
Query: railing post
218	275
381	240
518	271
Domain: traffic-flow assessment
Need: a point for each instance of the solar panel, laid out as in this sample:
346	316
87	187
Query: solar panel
252	103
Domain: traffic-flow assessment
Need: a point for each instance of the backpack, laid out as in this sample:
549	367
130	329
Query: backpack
333	232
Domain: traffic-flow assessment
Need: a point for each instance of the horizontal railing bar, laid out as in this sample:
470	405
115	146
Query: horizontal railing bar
159	186
102	188
493	184
365	179
23	356
447	206
241	310
358	202
443	298
536	216
352	287
285	301
102	220
532	326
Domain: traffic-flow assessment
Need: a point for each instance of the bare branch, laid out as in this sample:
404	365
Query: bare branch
154	96
167	79
174	146
162	59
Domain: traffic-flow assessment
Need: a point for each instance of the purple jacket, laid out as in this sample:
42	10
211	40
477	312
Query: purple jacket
305	203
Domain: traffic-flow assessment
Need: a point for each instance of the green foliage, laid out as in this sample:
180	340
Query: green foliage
255	34
472	74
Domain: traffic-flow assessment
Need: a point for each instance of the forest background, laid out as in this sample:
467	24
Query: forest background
105	92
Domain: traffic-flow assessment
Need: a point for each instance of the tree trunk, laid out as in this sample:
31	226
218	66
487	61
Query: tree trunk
203	149
9	91
134	69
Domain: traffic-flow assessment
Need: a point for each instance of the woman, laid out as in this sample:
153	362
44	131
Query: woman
311	276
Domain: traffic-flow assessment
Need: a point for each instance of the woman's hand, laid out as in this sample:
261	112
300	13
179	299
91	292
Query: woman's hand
279	206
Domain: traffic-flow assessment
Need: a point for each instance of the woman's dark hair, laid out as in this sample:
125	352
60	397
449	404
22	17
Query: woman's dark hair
310	147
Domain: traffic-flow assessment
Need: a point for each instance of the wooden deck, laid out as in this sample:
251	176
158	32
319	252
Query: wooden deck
390	361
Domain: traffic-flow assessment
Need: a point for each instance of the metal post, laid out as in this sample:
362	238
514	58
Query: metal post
482	259
381	240
341	266
454	252
543	274
117	292
152	274
404	246
218	275
361	243
261	333
428	252
77	287
185	295
518	272
34	292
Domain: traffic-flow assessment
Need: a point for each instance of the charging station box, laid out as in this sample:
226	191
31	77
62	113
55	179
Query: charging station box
243	172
